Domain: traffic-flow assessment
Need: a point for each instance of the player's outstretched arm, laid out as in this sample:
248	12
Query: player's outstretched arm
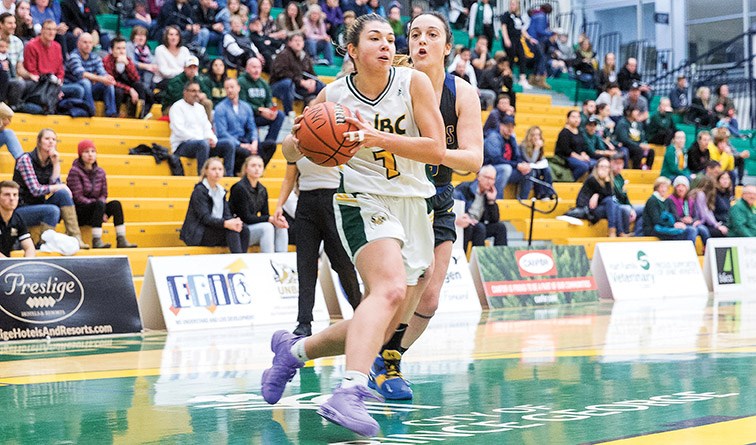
469	155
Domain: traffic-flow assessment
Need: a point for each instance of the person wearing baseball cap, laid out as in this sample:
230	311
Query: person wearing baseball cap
175	89
595	145
634	99
89	189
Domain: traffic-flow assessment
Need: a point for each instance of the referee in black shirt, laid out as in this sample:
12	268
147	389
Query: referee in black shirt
12	227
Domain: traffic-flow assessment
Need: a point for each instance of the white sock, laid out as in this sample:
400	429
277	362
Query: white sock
298	351
96	232
354	378
120	230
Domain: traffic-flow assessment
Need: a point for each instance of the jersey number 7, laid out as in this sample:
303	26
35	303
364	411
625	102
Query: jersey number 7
389	162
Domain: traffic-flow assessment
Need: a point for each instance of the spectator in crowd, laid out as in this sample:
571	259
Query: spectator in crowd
235	124
267	46
658	221
42	10
501	151
533	153
496	116
634	99
463	54
249	201
349	19
8	6
81	17
676	158
170	57
713	170
700	112
215	81
14	74
630	133
512	29
589	109
89	188
724	102
138	50
482	17
135	13
698	153
334	18
24	21
721	151
613	98
633	213
539	32
318	41
12	227
270	25
84	67
497	80
290	19
679	96
586	64
181	14
704	197
481	217
724	198
7	136
238	46
459	12
43	55
38	174
128	86
680	204
395	20
375	7
661	127
292	75
211	26
629	75
192	134
209	221
570	146
174	90
595	145
597	194
480	58
606	124
742	221
257	93
559	52
607	75
234	8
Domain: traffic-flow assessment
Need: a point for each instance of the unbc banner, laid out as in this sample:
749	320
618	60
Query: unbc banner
65	297
511	276
208	291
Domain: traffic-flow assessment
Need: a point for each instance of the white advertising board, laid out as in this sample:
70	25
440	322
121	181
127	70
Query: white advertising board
210	291
730	264
638	271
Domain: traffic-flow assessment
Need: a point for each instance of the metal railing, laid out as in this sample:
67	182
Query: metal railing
593	31
609	43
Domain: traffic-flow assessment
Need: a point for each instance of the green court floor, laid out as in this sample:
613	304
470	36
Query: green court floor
671	372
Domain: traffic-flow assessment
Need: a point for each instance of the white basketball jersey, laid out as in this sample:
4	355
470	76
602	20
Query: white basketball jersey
374	170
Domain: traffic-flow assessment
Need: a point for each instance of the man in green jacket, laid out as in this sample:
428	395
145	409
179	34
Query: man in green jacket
174	91
661	128
257	93
742	221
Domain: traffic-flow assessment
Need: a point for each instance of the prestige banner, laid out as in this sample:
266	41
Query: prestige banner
46	298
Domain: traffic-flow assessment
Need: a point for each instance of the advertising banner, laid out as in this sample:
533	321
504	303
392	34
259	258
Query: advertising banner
210	291
519	276
457	293
47	298
730	264
638	271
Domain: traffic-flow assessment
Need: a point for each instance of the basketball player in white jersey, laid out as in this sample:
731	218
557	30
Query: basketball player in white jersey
382	216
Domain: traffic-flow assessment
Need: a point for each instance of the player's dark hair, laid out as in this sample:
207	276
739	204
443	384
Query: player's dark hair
352	34
444	21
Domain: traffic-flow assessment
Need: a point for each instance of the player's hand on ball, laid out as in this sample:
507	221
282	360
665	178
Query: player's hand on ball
366	134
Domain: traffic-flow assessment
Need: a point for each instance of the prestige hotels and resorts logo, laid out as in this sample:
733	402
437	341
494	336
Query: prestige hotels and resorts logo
39	292
728	267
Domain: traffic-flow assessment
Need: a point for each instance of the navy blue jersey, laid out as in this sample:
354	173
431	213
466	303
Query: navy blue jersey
442	175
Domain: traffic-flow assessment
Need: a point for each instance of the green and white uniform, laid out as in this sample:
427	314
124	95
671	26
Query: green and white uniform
383	195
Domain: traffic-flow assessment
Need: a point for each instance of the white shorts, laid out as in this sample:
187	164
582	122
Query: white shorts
362	218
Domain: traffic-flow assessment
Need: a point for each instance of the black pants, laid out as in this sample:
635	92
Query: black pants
478	233
237	242
636	155
315	222
516	51
92	214
144	94
663	138
265	150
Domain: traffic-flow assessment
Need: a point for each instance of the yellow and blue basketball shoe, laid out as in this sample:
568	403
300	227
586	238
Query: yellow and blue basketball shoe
386	377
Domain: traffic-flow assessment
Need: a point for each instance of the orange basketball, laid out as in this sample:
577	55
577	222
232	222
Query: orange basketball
321	134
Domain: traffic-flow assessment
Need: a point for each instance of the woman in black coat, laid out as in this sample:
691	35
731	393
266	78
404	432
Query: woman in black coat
209	221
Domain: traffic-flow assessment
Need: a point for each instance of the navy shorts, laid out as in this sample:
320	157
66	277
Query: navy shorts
443	215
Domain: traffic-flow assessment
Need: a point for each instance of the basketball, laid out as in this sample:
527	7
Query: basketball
321	134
